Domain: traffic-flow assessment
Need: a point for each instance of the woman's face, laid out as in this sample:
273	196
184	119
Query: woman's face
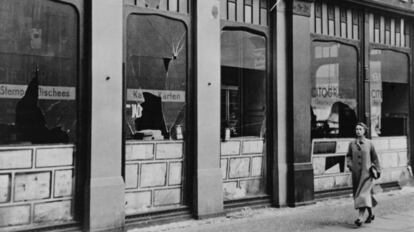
359	131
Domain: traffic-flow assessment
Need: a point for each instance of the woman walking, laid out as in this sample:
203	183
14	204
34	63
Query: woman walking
363	161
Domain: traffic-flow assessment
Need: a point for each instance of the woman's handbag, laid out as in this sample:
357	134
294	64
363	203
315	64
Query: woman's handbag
373	172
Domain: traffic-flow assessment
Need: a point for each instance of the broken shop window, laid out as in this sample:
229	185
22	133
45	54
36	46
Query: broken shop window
334	90
156	78
243	84
389	93
38	72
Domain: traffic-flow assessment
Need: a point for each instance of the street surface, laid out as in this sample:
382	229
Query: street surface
395	212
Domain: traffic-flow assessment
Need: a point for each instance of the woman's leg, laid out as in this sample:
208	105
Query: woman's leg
369	211
371	216
361	212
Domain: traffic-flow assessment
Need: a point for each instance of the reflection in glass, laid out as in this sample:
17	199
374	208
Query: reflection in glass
389	93
156	78
333	78
38	72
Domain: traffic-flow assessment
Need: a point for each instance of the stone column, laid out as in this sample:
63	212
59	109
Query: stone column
105	185
208	190
299	88
279	60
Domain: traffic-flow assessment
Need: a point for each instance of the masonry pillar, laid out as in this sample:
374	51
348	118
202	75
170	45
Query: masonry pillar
301	189
208	180
280	56
105	185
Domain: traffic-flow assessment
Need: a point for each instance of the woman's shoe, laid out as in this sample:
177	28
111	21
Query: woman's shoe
370	218
358	222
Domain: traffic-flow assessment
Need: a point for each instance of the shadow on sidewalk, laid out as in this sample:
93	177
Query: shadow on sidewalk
337	224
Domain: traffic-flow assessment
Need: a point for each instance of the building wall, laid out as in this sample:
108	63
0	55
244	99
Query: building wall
383	31
208	184
300	189
36	186
282	105
106	190
392	155
105	211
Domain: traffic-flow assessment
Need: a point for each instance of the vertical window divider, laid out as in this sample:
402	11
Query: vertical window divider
364	92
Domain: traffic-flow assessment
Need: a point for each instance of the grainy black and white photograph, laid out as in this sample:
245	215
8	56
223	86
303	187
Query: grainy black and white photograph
206	115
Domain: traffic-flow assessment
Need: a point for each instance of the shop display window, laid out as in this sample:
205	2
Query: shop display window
389	93
243	84
243	114
334	90
38	72
156	77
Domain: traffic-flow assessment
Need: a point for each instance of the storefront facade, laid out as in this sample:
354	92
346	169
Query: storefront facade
119	114
343	54
360	71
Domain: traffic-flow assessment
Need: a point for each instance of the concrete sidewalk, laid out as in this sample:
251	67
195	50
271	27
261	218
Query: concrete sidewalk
401	222
395	212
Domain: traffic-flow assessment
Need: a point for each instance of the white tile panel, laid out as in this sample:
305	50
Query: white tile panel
52	157
12	159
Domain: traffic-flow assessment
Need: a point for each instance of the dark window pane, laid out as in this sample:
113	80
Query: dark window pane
156	77
38	35
243	77
344	16
263	4
407	34
387	24
397	26
377	22
334	79
331	12
389	93
355	18
318	10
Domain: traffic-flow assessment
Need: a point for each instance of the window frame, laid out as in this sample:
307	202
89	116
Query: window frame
408	53
240	89
81	82
357	45
80	155
264	31
271	88
189	142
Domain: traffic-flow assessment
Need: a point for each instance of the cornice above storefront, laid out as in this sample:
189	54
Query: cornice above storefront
404	7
